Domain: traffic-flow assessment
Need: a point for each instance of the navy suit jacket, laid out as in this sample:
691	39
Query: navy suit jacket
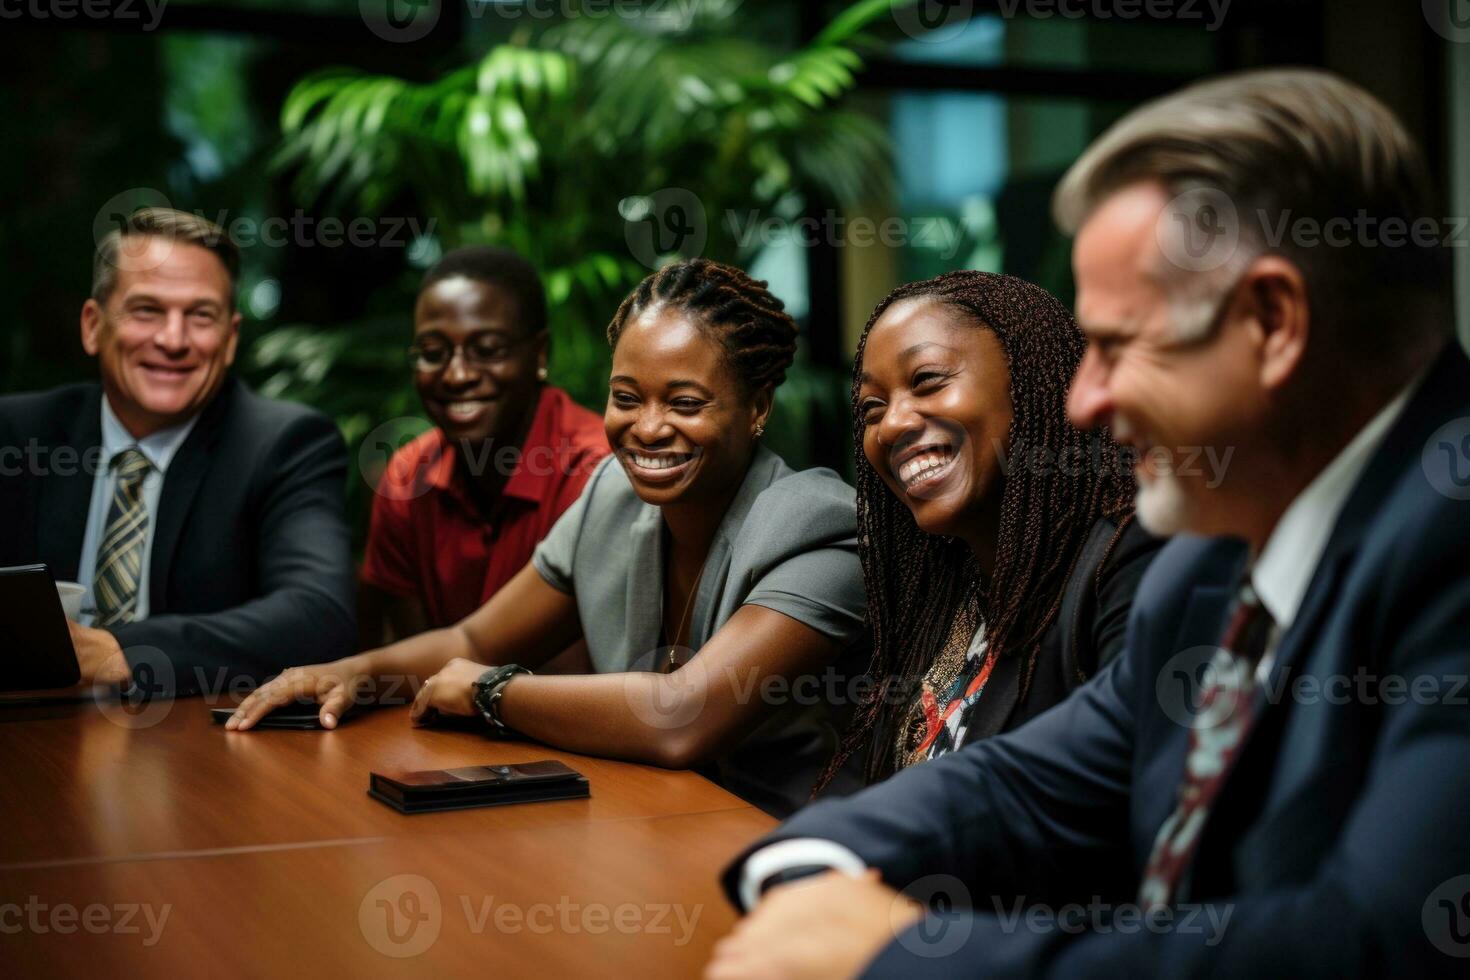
1336	846
251	568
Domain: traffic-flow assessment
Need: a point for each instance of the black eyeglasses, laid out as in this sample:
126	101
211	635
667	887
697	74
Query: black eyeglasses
484	352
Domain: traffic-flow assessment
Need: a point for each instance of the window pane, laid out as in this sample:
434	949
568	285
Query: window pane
975	176
1057	41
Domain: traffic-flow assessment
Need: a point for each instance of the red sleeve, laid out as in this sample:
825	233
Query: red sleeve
593	450
578	474
389	561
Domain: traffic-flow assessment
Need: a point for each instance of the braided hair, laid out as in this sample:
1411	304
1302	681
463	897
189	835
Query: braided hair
926	592
752	325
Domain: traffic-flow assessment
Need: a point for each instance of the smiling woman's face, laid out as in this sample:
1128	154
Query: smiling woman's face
935	404
677	417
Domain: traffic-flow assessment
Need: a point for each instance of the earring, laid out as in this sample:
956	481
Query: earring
760	430
541	374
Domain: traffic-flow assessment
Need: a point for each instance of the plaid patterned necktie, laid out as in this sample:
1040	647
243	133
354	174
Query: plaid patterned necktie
120	556
1226	712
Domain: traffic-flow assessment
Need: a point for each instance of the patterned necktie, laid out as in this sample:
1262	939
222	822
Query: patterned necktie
1226	712
120	556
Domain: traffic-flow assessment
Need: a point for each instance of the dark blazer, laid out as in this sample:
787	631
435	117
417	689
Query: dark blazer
1085	637
251	568
1337	846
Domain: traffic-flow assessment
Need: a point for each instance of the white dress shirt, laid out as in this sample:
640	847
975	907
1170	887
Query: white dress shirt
1285	566
159	449
1280	576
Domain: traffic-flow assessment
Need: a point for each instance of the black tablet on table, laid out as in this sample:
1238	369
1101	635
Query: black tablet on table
37	643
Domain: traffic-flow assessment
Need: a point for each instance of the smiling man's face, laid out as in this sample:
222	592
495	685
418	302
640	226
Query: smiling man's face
1170	400
486	391
166	335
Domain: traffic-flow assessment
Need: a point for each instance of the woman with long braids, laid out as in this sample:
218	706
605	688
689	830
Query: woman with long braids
997	542
696	564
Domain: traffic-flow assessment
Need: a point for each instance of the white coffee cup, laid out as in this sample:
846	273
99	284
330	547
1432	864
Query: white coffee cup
71	598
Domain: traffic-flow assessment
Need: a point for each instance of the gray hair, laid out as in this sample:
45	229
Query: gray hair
1251	155
176	226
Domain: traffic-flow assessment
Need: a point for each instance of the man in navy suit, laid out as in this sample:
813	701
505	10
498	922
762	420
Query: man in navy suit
205	522
1272	780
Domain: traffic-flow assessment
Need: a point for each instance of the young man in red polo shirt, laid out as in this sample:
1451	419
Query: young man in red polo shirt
460	509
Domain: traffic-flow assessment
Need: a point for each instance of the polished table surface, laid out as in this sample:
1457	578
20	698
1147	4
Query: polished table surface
265	853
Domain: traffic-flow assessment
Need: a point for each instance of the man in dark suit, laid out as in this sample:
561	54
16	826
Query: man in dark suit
205	522
1271	780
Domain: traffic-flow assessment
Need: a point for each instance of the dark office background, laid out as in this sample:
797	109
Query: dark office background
959	134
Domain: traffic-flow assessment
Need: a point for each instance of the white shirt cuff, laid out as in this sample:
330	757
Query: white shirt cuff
794	853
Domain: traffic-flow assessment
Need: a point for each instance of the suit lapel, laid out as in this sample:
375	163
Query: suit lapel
646	572
765	468
1177	684
645	589
1002	694
1262	759
67	498
998	702
1445	382
1291	646
180	485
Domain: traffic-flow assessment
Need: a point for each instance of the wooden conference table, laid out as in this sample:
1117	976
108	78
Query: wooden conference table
156	843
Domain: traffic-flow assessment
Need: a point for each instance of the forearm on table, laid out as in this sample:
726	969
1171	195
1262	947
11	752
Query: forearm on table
287	627
415	658
659	719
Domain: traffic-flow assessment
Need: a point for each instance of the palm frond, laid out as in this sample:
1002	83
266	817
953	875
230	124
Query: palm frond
536	145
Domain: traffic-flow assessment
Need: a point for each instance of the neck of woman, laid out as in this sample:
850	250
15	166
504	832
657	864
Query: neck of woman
982	535
692	524
692	528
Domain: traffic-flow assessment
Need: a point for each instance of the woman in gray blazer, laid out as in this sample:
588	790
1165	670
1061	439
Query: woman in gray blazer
716	588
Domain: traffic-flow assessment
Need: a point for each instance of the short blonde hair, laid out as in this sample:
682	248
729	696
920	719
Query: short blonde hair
176	226
1284	145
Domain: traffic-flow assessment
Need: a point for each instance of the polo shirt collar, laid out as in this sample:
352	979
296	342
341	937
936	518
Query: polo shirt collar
533	482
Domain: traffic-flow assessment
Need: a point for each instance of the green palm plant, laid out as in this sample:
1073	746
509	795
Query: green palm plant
550	142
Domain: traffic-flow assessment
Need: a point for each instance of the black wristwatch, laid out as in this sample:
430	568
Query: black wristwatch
488	690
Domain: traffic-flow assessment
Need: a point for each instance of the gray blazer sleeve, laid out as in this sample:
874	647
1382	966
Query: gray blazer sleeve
800	544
